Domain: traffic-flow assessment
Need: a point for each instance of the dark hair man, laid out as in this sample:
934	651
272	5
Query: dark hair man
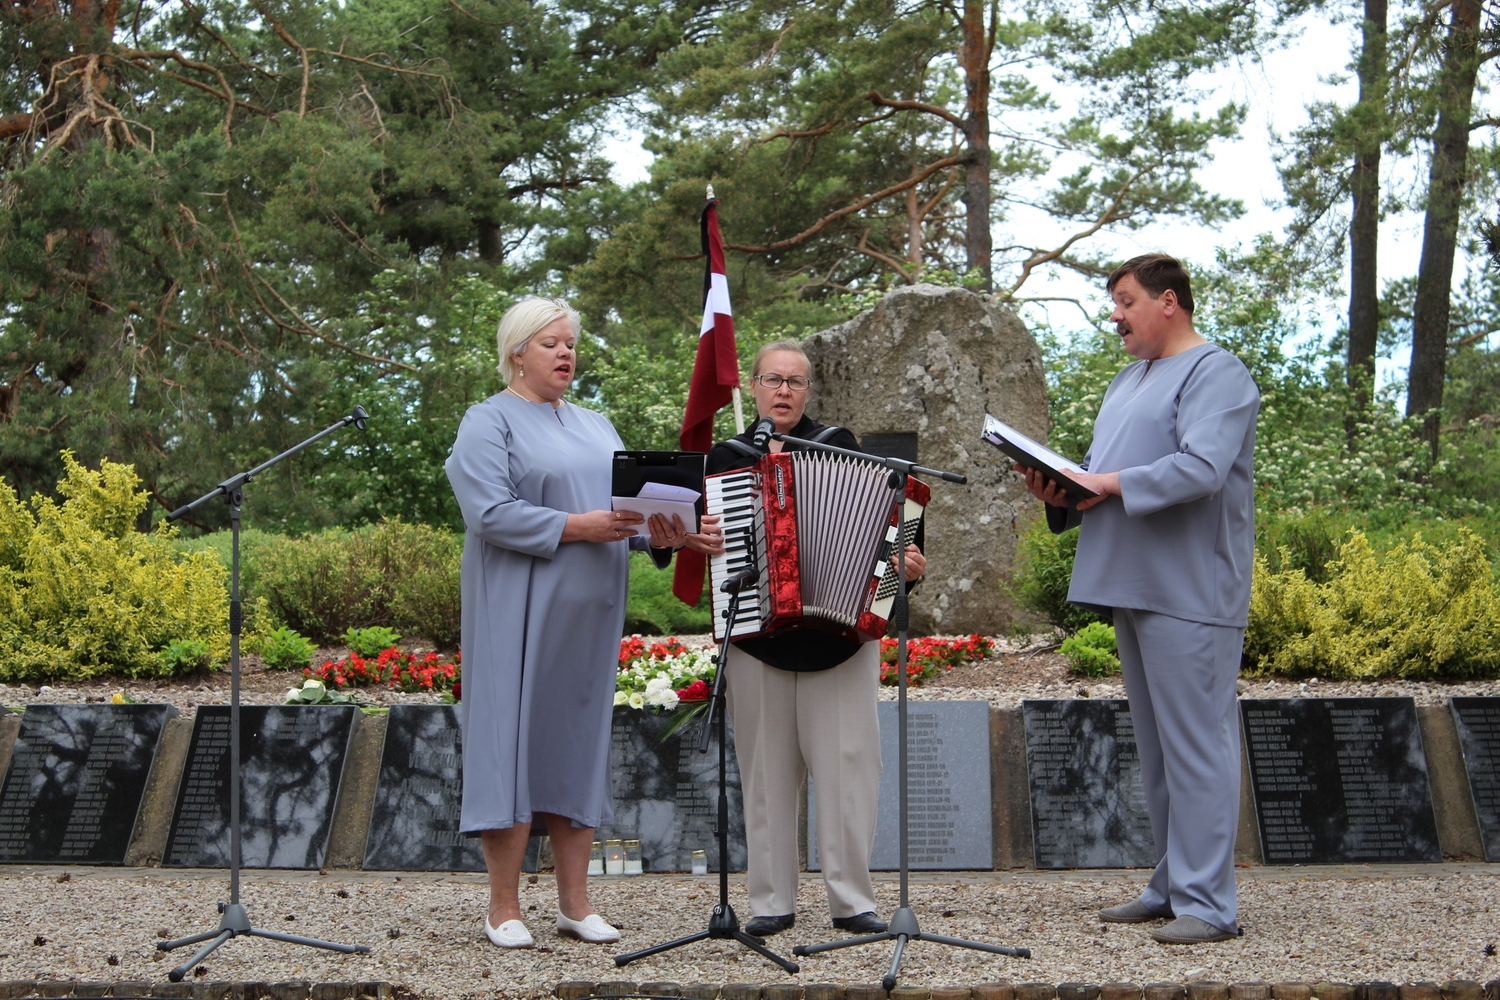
1166	549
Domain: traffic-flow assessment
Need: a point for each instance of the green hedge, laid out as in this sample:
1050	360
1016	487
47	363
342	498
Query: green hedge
399	575
404	576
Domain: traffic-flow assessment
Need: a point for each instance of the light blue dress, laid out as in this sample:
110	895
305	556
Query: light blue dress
541	618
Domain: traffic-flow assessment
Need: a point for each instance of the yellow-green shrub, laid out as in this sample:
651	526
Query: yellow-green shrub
1415	611
82	593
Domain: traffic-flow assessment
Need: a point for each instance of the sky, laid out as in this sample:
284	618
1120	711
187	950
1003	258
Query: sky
1276	92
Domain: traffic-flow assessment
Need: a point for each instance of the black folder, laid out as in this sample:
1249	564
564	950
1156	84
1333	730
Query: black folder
634	469
1034	455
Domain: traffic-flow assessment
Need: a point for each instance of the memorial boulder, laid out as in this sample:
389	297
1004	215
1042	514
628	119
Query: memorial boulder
914	377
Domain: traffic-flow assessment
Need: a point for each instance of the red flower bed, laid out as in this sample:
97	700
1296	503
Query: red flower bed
635	647
927	657
408	672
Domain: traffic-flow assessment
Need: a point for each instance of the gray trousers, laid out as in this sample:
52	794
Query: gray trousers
1180	678
788	724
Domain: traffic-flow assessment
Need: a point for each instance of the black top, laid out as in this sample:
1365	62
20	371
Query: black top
798	649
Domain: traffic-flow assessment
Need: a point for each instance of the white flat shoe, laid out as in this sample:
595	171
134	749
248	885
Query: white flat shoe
510	934
592	928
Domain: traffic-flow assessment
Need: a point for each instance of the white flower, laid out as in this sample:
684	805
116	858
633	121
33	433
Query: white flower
620	697
664	698
636	700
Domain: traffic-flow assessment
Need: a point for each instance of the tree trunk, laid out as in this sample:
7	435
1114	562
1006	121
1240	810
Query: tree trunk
975	57
1445	188
1364	227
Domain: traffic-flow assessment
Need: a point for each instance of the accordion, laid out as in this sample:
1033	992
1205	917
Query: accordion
820	528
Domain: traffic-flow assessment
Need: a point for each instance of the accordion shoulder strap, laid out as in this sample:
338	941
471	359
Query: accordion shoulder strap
823	435
748	450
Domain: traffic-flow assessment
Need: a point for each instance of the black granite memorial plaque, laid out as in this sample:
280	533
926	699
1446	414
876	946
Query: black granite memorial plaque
418	794
1478	721
948	782
1340	780
75	781
1088	809
291	766
667	793
414	825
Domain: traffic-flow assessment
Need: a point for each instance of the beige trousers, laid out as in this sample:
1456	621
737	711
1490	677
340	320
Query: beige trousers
785	725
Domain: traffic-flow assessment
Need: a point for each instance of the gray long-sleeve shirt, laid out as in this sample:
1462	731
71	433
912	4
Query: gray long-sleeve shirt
1180	538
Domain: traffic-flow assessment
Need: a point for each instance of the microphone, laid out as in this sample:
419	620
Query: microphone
744	578
761	435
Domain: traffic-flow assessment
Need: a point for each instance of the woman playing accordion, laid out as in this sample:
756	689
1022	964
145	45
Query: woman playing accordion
802	701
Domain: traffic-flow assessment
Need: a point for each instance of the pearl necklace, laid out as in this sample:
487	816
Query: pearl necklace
556	404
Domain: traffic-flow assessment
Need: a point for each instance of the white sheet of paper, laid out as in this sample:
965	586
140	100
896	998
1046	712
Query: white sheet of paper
645	506
666	491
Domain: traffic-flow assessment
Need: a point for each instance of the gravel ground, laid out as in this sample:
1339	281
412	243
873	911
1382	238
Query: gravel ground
1401	924
1398	923
1020	670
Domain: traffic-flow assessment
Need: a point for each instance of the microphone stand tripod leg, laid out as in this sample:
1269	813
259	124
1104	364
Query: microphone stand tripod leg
889	982
623	960
177	974
756	945
347	949
190	939
813	949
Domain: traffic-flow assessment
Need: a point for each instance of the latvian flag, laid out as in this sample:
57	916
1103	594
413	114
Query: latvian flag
716	373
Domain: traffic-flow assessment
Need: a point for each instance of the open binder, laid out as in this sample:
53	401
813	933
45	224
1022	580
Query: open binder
1034	455
665	477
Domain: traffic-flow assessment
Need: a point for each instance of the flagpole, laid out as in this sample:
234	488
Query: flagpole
739	407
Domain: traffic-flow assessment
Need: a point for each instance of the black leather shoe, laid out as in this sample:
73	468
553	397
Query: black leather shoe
861	923
766	926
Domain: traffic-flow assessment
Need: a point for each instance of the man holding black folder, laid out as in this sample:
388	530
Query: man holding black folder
1166	548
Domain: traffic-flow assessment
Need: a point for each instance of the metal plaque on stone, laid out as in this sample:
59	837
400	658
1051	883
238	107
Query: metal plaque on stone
1339	780
1088	809
666	793
75	781
418	795
948	781
902	445
1478	721
291	766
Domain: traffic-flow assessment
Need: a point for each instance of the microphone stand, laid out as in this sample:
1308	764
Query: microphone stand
722	923
235	920
903	925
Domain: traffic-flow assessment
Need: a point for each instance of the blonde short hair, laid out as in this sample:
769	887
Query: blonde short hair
779	345
521	322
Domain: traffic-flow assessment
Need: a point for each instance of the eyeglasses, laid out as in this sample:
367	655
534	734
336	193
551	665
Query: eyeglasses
796	383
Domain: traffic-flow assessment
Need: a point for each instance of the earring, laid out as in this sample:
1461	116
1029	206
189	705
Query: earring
523	371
